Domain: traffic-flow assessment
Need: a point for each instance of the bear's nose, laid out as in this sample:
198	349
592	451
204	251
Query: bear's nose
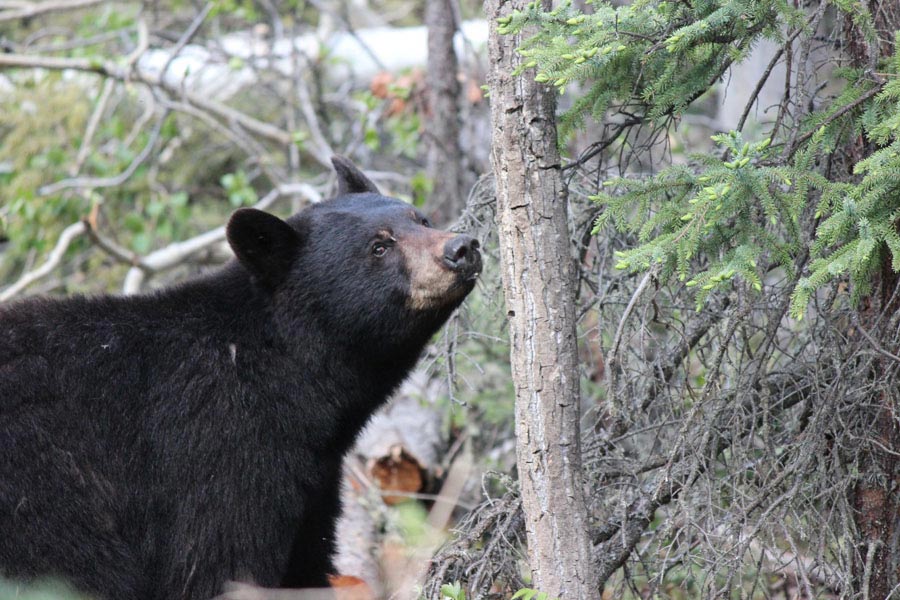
461	254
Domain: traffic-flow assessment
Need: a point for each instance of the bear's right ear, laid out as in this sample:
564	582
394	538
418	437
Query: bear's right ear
263	243
350	179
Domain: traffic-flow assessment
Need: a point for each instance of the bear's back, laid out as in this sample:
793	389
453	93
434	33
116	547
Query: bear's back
135	366
126	414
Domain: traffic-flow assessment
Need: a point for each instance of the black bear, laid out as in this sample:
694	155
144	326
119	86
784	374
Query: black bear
155	447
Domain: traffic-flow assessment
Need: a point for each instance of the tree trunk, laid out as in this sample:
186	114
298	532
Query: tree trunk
444	160
539	282
874	499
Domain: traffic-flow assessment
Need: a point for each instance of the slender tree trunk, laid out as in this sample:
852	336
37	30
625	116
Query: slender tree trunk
875	499
539	282
444	160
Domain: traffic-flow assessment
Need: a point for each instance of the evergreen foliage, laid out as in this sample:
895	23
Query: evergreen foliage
712	227
728	217
652	57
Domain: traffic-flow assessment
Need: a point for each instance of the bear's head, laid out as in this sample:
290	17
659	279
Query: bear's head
368	269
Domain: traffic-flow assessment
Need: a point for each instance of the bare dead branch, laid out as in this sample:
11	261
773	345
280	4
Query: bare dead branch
231	116
107	245
875	343
91	128
178	252
186	38
27	10
322	149
55	257
103	182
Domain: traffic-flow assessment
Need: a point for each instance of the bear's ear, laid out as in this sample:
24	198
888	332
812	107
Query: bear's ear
263	243
350	179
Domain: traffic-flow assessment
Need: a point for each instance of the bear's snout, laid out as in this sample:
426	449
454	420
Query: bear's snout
461	255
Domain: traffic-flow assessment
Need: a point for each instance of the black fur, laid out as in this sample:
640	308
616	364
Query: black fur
154	447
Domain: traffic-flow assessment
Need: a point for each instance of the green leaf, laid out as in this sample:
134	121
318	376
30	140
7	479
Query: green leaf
453	591
141	243
134	222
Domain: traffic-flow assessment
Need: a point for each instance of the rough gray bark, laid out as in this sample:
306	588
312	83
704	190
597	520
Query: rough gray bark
539	282
445	160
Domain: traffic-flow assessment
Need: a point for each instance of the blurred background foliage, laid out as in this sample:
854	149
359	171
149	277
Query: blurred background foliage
155	164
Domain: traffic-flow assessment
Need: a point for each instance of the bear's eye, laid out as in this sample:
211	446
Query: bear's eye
426	222
379	249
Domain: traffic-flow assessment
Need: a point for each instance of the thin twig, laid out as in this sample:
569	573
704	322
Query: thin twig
230	115
107	245
28	10
103	182
613	362
185	38
875	344
759	84
92	125
835	116
62	244
323	151
177	252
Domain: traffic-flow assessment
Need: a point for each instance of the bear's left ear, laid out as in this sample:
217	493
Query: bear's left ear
263	243
350	179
